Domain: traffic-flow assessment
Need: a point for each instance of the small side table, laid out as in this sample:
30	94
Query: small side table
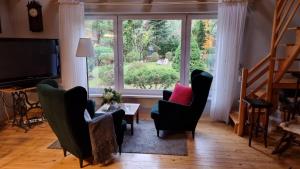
254	116
131	110
22	107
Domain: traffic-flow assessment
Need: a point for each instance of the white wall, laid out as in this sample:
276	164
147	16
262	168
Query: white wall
5	21
258	32
16	19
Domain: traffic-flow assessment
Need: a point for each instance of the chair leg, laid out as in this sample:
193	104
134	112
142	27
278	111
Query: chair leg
251	126
81	162
266	128
193	134
157	132
120	149
65	152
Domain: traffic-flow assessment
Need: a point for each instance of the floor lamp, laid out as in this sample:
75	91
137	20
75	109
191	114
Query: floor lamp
85	49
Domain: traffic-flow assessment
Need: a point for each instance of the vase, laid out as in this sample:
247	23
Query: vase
114	106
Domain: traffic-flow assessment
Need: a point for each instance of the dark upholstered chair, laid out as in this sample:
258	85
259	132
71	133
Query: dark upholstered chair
172	116
64	111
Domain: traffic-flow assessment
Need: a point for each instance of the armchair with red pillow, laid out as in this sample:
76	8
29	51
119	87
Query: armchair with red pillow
181	109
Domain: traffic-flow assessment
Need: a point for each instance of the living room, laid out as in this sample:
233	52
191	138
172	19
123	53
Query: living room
141	48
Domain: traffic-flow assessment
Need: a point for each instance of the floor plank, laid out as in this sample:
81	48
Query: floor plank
215	146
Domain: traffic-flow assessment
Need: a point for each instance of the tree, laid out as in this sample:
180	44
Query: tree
100	27
196	61
199	34
137	37
160	31
128	27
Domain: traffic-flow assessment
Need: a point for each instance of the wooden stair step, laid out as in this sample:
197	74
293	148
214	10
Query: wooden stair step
234	116
297	29
286	83
294	28
283	59
260	92
290	71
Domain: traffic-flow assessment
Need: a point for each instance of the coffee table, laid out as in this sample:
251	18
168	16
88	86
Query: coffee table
131	110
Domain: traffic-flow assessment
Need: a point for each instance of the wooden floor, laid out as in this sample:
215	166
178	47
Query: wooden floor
215	146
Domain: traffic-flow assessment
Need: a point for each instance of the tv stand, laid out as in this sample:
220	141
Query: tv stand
21	106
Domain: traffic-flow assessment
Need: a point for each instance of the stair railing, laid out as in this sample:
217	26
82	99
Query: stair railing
261	76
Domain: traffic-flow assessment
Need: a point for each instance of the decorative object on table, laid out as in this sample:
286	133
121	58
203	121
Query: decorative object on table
111	99
168	115
35	16
85	49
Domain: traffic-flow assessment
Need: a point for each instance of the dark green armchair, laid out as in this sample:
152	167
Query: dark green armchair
172	116
64	111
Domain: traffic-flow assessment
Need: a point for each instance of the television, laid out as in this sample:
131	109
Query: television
25	62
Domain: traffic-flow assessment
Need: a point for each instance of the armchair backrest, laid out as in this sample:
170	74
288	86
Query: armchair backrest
64	111
201	82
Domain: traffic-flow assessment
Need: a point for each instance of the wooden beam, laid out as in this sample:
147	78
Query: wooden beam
242	113
151	2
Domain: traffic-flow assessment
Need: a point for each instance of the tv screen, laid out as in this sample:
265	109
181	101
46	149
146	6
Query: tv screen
27	61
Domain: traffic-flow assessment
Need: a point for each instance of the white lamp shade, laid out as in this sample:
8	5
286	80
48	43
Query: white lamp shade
85	48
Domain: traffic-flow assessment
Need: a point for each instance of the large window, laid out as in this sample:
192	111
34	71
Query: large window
101	67
202	44
151	53
146	54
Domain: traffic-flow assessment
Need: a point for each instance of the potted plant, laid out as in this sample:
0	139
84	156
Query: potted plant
112	98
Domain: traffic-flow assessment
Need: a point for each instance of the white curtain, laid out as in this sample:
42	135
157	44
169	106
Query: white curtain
231	23
71	21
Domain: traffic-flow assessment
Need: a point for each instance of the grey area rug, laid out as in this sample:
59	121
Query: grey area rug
145	141
54	145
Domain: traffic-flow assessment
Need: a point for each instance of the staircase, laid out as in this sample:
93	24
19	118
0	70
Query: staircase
272	72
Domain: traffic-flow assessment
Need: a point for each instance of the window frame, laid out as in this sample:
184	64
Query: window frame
186	25
120	41
93	91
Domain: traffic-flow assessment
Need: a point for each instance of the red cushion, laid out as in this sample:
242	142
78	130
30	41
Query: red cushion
181	94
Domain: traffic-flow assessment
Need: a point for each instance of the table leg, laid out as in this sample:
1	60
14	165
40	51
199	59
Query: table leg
137	116
132	128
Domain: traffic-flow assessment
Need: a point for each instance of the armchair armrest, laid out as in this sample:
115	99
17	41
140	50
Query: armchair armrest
90	107
166	94
118	116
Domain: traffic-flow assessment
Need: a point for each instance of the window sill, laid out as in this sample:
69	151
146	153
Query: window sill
131	96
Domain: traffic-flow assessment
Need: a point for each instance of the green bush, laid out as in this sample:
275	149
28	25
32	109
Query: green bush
102	50
150	76
153	57
169	56
132	56
106	59
103	75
